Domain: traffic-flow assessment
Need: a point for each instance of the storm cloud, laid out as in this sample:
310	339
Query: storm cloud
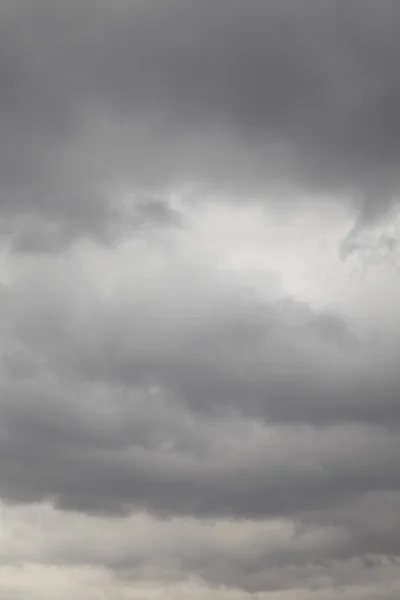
98	97
199	226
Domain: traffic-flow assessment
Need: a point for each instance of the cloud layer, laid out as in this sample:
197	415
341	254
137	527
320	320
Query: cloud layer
100	97
199	299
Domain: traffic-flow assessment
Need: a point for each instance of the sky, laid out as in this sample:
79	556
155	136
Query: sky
199	291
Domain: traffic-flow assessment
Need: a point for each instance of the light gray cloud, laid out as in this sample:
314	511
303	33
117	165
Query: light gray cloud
188	329
277	555
176	394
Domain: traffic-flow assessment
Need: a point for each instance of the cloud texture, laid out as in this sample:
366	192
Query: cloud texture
199	299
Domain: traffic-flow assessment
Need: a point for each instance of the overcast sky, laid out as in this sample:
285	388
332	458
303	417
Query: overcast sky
199	299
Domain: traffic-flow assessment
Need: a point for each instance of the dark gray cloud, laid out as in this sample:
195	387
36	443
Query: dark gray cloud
144	459
98	96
